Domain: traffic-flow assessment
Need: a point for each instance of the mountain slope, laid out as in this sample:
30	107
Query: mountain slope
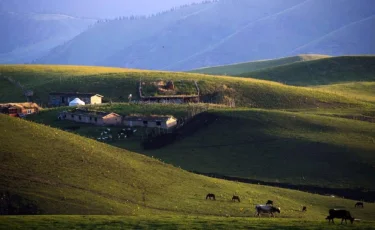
320	72
91	8
246	67
69	174
354	38
29	36
108	38
220	33
116	84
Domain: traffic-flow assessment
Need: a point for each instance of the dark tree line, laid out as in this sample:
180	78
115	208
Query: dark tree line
141	17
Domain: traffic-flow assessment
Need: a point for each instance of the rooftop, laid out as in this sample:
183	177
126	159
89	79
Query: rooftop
75	94
136	117
91	112
25	105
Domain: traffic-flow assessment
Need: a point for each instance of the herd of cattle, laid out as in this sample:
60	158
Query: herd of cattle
268	208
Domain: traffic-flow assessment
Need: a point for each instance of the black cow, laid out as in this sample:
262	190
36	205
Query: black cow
210	196
339	213
358	204
269	202
234	198
266	209
304	209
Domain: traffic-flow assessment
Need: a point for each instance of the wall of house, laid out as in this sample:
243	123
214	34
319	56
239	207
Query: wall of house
151	124
133	123
54	100
95	100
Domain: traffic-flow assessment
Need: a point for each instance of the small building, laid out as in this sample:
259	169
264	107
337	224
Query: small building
19	109
153	121
63	99
91	117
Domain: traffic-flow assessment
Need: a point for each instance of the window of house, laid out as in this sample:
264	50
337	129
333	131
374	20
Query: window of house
90	118
158	123
72	116
29	111
145	122
96	119
79	118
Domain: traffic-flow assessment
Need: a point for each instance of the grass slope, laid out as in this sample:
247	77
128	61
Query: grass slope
317	146
116	84
360	90
246	67
68	174
325	71
167	222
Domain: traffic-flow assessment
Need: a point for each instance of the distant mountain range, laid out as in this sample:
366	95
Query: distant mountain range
223	32
28	36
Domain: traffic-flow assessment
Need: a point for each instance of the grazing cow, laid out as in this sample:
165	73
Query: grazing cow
358	204
339	213
234	198
210	196
269	202
304	209
260	208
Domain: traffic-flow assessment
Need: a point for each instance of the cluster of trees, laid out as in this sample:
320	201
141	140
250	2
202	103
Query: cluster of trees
140	17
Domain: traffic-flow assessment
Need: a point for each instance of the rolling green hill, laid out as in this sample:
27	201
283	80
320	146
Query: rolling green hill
116	84
316	147
360	90
325	71
246	67
69	174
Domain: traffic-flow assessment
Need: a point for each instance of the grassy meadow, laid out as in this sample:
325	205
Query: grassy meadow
116	84
93	178
320	132
320	147
168	222
334	70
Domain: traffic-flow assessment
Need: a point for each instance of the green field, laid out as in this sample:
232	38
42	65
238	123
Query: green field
325	71
116	84
90	178
246	67
364	91
319	147
321	135
168	222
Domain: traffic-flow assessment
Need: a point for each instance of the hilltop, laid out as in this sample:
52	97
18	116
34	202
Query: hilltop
246	67
70	174
223	32
116	84
333	70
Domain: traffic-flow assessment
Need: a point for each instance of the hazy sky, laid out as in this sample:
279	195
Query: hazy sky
92	8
